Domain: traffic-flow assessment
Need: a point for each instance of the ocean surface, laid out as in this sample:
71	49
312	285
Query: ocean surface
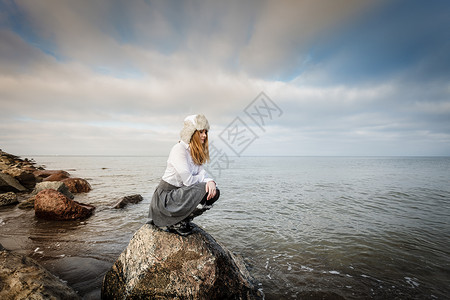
310	227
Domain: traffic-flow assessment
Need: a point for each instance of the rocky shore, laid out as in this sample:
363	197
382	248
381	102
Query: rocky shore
50	193
155	263
23	278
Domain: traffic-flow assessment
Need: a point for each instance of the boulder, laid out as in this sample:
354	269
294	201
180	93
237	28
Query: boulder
77	185
23	278
8	199
162	265
52	205
43	174
54	185
57	176
10	184
26	178
128	199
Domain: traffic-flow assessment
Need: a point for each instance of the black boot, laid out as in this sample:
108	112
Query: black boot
197	212
183	228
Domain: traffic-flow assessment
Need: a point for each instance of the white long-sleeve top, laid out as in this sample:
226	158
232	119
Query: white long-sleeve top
181	169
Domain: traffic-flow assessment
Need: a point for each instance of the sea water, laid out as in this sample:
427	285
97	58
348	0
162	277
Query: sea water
307	227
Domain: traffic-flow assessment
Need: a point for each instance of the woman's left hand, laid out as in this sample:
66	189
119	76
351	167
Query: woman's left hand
210	189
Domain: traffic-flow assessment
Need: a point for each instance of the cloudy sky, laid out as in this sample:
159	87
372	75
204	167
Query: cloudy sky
110	77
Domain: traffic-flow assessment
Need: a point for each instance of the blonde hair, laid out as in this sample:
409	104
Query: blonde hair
199	151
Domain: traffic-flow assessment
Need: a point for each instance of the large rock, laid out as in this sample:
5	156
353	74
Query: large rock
57	176
52	205
45	185
25	177
8	199
161	265
10	184
23	278
44	174
127	200
54	185
77	185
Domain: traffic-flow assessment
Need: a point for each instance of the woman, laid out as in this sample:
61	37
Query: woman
186	190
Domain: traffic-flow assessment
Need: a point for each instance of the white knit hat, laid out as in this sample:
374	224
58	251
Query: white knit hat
191	124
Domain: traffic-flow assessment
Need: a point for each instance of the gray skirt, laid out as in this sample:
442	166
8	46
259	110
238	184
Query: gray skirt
171	204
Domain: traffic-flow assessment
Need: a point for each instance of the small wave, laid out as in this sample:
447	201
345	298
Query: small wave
289	267
38	251
412	282
370	277
334	272
305	268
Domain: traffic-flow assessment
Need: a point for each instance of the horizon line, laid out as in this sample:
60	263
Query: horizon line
234	156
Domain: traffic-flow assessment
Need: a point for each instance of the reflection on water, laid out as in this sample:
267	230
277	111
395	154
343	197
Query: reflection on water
307	227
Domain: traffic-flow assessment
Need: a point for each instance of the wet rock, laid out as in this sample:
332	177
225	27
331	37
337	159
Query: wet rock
81	272
10	184
8	199
28	167
23	278
7	159
28	203
57	176
77	185
161	265
25	177
54	185
3	165
127	200
44	174
52	205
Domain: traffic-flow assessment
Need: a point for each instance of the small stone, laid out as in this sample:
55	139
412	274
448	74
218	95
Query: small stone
8	199
27	204
127	200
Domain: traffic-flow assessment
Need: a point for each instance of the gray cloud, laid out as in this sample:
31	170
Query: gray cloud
285	31
264	38
109	78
